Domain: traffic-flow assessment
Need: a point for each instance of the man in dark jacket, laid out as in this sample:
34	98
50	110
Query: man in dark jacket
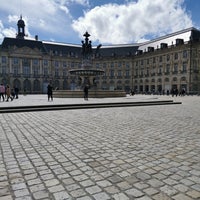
50	92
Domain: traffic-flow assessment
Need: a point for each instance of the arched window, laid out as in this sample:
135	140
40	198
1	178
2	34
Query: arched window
65	84
36	85
27	85
166	79
183	78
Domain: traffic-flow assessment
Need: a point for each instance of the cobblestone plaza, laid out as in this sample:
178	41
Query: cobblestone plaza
143	153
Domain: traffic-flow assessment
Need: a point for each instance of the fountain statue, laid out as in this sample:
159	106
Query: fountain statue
87	73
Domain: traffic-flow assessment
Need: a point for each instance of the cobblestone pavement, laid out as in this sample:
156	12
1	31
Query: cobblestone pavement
131	153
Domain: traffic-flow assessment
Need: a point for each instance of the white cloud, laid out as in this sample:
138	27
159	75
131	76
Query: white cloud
44	16
6	32
133	21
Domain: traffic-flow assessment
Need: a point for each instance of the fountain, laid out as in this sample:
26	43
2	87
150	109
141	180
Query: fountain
87	74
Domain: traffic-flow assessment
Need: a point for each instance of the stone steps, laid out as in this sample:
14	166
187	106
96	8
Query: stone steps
83	106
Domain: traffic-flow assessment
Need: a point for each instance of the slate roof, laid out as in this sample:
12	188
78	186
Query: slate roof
8	42
170	39
120	50
62	49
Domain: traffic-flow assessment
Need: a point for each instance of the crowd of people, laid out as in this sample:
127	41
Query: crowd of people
7	93
173	92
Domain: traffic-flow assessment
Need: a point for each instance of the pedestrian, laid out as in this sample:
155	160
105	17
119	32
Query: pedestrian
8	93
167	92
173	92
132	93
183	92
50	92
16	89
86	92
12	93
176	92
2	91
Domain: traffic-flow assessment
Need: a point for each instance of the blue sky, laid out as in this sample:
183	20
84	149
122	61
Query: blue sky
108	21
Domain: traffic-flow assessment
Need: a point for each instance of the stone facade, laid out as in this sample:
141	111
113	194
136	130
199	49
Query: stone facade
145	68
176	66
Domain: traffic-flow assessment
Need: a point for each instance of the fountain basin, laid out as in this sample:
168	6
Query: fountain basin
91	94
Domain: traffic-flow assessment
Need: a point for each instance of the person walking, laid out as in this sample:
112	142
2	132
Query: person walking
8	93
86	92
16	89
2	91
50	92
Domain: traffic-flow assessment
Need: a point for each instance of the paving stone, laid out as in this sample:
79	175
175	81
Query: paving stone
4	191
21	193
143	176
61	195
160	196
41	194
84	198
144	198
36	188
181	187
141	185
46	177
101	196
124	185
24	198
151	152
87	183
93	189
72	187
150	191
31	176
4	184
196	187
81	177
181	197
34	182
7	197
78	193
170	191
111	190
104	183
134	193
18	186
194	194
120	196
51	182
155	183
55	188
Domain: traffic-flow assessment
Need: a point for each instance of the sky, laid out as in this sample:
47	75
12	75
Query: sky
108	22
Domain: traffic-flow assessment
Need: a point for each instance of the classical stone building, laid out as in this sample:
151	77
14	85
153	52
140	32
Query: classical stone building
157	66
